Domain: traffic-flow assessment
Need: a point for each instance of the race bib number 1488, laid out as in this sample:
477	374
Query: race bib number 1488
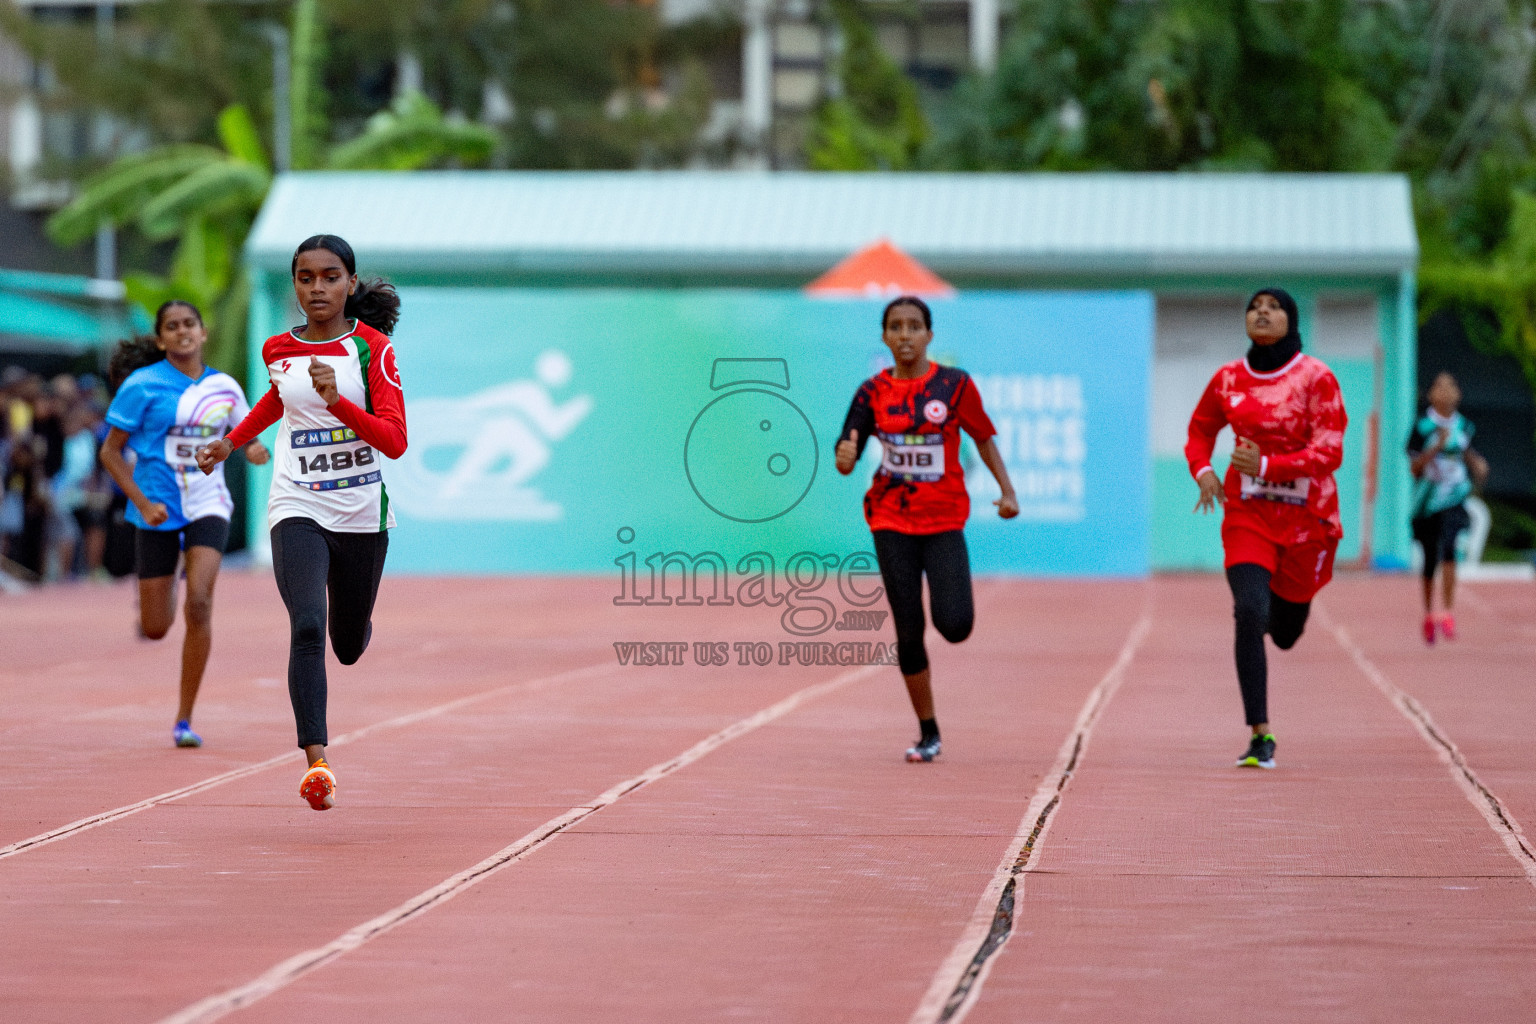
326	460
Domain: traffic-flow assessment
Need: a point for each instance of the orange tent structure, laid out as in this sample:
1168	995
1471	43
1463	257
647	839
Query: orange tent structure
880	269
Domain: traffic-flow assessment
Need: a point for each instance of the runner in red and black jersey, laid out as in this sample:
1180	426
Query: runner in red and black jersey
917	505
1281	526
336	389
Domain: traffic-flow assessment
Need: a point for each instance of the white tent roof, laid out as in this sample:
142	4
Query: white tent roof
719	225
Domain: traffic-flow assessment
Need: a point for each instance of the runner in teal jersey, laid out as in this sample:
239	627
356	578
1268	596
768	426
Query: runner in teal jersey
1445	466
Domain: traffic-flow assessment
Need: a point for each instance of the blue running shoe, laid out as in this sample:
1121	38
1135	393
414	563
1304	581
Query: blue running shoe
184	736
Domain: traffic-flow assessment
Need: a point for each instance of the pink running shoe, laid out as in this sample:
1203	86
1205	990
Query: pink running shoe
1448	626
1429	630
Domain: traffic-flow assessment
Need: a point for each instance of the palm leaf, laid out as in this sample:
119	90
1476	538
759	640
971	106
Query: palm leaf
412	134
239	135
202	261
117	193
210	190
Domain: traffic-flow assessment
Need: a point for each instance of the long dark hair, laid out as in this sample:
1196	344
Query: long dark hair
375	303
131	354
140	351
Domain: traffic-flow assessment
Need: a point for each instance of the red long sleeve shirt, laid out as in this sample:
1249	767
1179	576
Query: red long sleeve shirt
1296	417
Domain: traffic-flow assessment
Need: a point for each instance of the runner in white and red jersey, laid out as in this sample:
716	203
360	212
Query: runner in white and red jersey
1281	526
336	388
917	504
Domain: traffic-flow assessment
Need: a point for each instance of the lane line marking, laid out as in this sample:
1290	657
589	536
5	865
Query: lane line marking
295	967
410	718
957	985
1478	795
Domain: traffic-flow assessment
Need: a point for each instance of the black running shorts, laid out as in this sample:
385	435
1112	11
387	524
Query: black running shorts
1437	535
155	551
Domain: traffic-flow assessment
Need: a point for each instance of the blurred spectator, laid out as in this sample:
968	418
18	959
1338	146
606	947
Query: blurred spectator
48	424
26	508
71	486
55	499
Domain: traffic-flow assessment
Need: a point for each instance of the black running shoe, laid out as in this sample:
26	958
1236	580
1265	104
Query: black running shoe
1261	753
925	750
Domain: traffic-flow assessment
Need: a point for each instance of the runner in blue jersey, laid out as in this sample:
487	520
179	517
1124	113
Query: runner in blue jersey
168	403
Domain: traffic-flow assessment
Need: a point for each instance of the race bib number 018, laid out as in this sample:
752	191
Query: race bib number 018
328	460
913	456
1291	492
183	440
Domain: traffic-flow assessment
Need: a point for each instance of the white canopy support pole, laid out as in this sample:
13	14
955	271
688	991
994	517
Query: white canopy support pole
984	32
757	80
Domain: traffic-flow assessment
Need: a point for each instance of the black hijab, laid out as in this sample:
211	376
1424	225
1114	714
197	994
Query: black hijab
1269	358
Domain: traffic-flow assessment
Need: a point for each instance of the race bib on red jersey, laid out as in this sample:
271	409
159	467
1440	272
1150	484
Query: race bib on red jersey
1291	492
918	457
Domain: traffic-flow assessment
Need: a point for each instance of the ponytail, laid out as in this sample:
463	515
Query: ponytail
131	354
375	303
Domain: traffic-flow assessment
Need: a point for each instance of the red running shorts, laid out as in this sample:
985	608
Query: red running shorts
1300	563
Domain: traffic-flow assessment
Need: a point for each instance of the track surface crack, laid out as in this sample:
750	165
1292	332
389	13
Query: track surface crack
958	983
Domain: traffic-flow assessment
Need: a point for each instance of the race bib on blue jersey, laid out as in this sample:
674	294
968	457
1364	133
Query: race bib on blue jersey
183	440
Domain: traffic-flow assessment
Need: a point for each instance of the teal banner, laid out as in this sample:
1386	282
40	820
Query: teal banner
584	431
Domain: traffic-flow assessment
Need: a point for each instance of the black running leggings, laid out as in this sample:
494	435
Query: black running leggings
904	559
1259	610
311	564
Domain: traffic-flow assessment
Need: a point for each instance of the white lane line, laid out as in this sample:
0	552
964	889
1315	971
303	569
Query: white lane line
295	967
1478	795
400	721
958	983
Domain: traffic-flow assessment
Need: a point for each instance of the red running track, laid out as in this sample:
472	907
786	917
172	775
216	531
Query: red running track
688	843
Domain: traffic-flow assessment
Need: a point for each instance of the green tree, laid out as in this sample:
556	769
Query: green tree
1183	84
585	83
203	197
1494	297
206	197
164	73
877	122
1438	89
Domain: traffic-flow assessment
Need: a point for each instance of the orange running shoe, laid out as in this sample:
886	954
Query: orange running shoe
319	786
